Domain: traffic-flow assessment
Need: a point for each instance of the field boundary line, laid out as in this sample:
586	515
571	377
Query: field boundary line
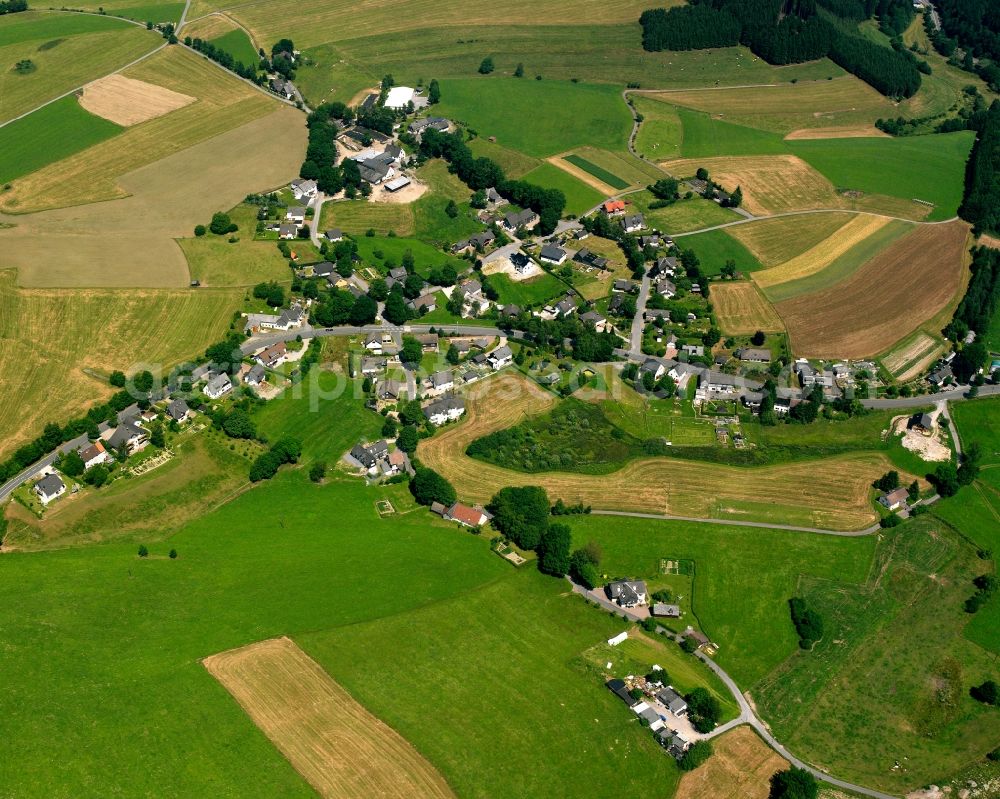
811	211
666	517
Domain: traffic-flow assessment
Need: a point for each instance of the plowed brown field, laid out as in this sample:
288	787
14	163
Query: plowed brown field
331	740
892	295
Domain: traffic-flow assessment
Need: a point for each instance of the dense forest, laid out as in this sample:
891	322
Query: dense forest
13	6
793	31
982	296
981	204
973	24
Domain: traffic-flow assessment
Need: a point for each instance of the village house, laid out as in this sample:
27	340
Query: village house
94	455
418	126
389	390
675	744
613	207
633	223
428	341
753	355
218	385
296	214
894	500
370	455
178	411
653	367
255	375
444	410
440	382
282	88
288	231
334	234
423	304
588	258
395	462
594	318
272	356
665	288
372	366
374	171
672	701
304	189
923	423
521	262
463	514
515	220
625	286
50	487
627	593
666	611
681	374
500	357
289	318
478	242
552	254
719	382
130	436
649	715
941	376
565	306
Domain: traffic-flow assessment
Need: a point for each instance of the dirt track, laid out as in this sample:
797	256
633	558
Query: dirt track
339	747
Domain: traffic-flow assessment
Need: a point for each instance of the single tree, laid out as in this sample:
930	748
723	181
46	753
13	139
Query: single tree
173	554
519	70
407	439
554	557
71	463
317	471
486	66
795	783
117	379
434	92
143	552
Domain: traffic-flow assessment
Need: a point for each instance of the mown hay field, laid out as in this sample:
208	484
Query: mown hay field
841	103
741	767
314	22
581	190
49	337
126	101
136	10
338	746
742	309
634	171
831	494
67	51
223	103
131	242
824	253
892	295
358	216
775	241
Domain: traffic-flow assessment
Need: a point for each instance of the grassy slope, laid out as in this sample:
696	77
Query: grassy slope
897	638
532	292
716	247
238	45
744	577
139	712
480	680
67	50
579	196
682	216
661	131
539	118
50	134
705	137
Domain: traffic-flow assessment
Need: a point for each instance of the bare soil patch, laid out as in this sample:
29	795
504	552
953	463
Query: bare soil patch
742	309
405	195
892	295
331	740
741	767
847	132
127	101
929	448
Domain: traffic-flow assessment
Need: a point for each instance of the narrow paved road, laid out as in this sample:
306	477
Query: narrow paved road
803	213
635	339
942	406
317	205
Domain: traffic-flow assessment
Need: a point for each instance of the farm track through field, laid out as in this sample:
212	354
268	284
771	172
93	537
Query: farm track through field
835	490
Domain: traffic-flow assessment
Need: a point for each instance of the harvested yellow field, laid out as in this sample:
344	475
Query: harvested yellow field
771	184
210	27
741	767
878	305
222	103
742	309
775	241
340	748
51	339
131	242
834	490
845	102
126	101
823	254
849	132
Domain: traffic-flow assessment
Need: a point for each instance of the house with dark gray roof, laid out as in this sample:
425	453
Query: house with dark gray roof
500	357
444	410
552	254
753	354
255	376
129	435
50	487
627	593
179	411
633	223
526	219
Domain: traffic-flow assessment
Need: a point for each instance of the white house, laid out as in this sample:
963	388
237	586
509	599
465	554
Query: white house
445	410
500	357
633	223
50	487
288	231
552	254
627	593
304	189
94	455
296	213
440	382
463	514
179	411
218	385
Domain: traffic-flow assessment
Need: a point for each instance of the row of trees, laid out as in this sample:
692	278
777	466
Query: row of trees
973	24
975	312
482	173
13	6
266	465
981	204
225	59
321	152
791	31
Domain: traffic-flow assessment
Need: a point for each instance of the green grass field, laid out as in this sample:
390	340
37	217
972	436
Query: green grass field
239	46
278	560
579	196
394	248
533	292
980	421
515	164
843	266
660	132
928	168
743	577
148	12
897	637
597	171
705	137
50	134
66	51
716	247
682	216
575	114
497	654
